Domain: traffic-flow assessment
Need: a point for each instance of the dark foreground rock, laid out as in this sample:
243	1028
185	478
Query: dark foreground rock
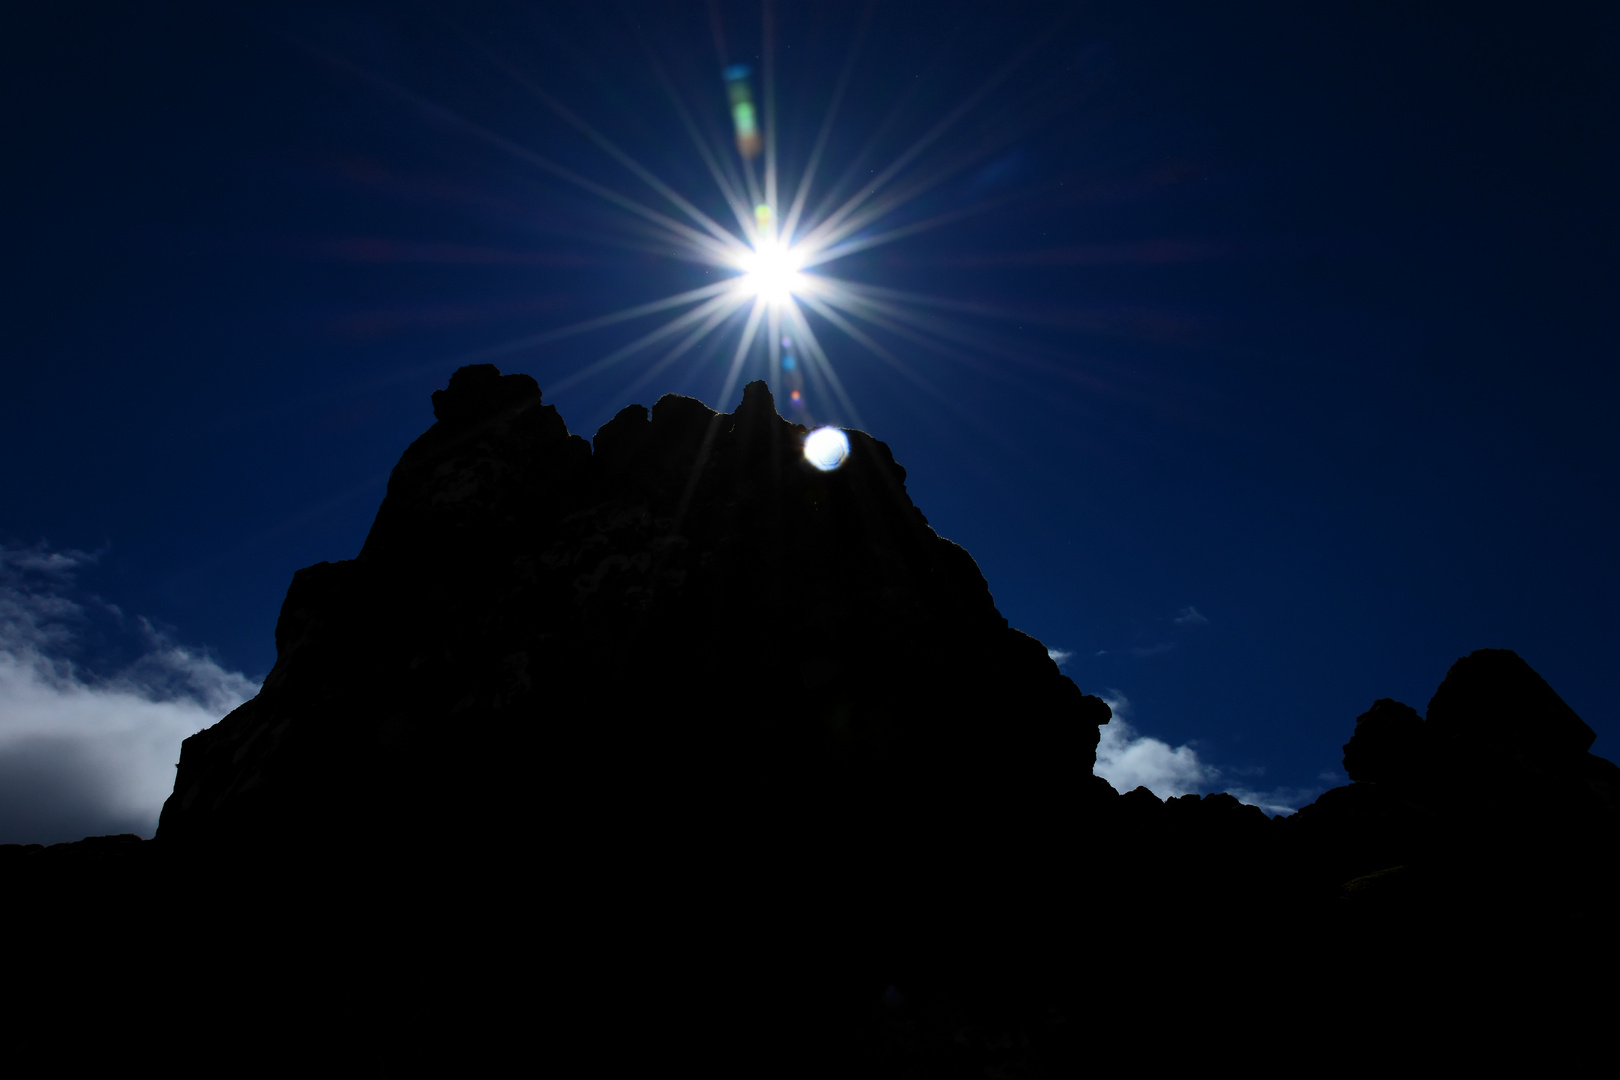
681	752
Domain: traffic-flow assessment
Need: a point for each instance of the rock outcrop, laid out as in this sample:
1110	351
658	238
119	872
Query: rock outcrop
684	665
1494	783
690	632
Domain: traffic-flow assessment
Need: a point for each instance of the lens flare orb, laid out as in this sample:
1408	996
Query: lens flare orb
826	448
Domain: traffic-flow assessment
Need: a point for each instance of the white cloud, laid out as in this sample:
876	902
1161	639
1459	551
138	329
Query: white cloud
1059	656
41	560
81	752
1128	760
1282	800
1189	616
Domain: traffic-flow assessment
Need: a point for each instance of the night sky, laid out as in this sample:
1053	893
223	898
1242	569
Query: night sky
1260	354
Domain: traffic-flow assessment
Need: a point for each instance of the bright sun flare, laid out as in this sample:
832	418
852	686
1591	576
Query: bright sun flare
771	271
778	255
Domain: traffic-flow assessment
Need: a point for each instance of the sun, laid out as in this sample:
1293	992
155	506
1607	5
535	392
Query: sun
772	259
772	271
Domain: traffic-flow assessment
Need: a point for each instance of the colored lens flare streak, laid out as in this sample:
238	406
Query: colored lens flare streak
743	115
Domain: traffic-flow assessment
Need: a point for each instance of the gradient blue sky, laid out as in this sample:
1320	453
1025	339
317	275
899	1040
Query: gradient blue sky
1274	346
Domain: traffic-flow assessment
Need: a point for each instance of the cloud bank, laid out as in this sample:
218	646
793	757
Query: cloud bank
1128	759
88	747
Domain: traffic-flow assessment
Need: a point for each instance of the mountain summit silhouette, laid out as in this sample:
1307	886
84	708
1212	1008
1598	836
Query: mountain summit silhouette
692	631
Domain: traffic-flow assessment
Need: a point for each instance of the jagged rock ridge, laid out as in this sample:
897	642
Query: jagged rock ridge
691	631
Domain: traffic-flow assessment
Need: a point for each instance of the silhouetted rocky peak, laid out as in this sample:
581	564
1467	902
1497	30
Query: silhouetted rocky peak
689	619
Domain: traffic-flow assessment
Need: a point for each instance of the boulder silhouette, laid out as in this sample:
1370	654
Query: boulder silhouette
1390	745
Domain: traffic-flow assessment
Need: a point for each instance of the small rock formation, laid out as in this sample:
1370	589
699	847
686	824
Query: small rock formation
1495	780
1389	746
1493	723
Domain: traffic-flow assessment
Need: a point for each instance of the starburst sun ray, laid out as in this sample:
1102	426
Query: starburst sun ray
773	263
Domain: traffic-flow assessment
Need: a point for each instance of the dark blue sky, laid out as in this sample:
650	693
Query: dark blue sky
1273	360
